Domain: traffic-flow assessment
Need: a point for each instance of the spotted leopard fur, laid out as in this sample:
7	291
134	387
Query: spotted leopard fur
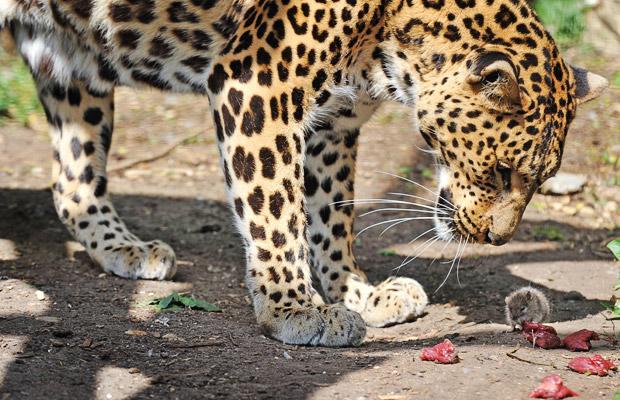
290	82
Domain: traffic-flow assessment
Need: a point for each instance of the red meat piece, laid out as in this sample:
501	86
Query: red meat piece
596	365
552	387
541	335
535	326
442	353
580	340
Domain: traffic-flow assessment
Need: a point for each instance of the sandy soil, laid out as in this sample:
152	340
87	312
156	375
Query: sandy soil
92	336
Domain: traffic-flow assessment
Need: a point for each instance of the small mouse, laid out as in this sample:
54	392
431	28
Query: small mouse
526	304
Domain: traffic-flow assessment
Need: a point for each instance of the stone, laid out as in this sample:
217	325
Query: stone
564	183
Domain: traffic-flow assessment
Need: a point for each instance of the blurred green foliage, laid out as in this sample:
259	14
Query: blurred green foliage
563	18
615	79
18	95
548	232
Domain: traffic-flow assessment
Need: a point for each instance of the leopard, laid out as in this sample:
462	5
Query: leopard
290	83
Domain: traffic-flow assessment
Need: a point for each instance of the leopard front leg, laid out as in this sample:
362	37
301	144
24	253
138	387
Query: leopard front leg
330	176
262	160
81	123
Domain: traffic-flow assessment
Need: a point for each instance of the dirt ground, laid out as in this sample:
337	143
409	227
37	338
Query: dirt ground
90	335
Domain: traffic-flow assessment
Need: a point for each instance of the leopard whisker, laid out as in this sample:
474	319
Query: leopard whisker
442	249
460	258
391	226
427	151
412	196
458	249
418	197
390	221
422	234
417	184
426	245
417	237
406	210
455	254
386	201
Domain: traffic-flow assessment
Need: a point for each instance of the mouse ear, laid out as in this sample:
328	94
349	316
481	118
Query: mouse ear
528	295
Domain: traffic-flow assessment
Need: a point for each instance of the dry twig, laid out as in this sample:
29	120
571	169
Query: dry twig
512	355
164	152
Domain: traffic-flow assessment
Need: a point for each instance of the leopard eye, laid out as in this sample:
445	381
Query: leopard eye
505	172
491	78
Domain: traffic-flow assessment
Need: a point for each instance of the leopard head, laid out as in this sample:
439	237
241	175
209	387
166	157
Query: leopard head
493	98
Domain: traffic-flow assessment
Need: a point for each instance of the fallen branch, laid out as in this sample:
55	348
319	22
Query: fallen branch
512	355
164	152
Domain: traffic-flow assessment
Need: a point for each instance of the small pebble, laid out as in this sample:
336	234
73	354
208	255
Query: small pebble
135	332
40	295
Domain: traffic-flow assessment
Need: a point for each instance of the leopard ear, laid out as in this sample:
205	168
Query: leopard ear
588	85
493	76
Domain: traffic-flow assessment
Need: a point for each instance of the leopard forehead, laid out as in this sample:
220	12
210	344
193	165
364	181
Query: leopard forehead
470	135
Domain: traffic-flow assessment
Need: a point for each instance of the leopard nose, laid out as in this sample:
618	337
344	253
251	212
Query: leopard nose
495	239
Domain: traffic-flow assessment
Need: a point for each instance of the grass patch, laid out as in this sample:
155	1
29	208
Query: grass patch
563	18
547	232
387	253
615	79
18	94
426	173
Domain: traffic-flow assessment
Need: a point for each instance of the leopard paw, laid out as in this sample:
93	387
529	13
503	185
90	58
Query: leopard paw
325	325
394	301
143	260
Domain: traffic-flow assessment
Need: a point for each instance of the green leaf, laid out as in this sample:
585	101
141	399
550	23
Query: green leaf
617	396
614	246
613	305
387	252
205	306
178	302
427	173
166	301
405	170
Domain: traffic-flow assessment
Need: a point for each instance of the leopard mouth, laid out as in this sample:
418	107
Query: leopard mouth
451	229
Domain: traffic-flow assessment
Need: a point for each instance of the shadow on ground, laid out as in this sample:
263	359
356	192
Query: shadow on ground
85	351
